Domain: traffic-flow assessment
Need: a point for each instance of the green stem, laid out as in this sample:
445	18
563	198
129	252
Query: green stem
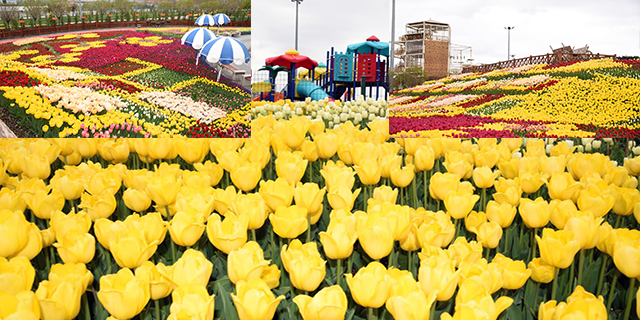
372	313
571	276
410	262
457	223
432	311
402	196
534	244
618	220
425	191
85	307
156	304
505	248
486	253
612	289
391	255
339	272
253	235
349	265
554	287
580	267
630	293
414	195
308	227
483	200
535	297
605	261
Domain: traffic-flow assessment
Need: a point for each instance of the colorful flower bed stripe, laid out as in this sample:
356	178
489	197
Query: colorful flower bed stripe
304	221
597	98
86	85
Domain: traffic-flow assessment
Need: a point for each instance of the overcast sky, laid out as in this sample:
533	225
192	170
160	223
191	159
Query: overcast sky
608	27
322	24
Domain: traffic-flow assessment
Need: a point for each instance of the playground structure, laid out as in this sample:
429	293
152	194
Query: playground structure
363	65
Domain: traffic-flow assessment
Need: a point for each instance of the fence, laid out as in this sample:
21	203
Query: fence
27	32
548	58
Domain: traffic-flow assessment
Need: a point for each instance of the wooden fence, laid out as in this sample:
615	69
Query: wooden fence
27	32
548	58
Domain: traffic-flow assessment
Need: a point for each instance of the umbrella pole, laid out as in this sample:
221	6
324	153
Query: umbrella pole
219	71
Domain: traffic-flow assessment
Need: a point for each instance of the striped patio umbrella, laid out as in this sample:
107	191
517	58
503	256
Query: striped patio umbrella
196	38
224	50
205	20
220	19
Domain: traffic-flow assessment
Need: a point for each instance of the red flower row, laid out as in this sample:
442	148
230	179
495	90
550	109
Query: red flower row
16	79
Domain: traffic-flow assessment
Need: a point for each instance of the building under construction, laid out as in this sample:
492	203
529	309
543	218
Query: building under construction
428	44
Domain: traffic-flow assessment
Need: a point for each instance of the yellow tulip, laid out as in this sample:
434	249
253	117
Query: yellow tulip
413	306
289	222
474	220
163	189
369	171
562	186
509	167
43	203
530	182
633	165
98	206
70	185
540	271
376	235
132	247
291	166
224	198
295	131
388	161
553	164
484	178
114	150
514	273
271	276
304	264
22	305
71	272
561	211
385	194
438	275
326	144
59	300
310	150
424	158
16	274
597	201
487	155
87	148
220	146
557	248
192	302
35	166
14	230
75	246
582	164
489	234
437	232
341	197
104	180
310	196
441	184
460	164
402	177
625	200
253	207
508	191
535	148
329	303
336	175
191	269
462	250
254	300
123	294
192	150
136	200
276	193
159	286
186	227
370	286
502	214
229	234
581	302
246	263
212	169
626	254
338	241
585	229
34	243
460	203
534	214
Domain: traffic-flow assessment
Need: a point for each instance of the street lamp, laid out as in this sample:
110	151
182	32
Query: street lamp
298	2
509	42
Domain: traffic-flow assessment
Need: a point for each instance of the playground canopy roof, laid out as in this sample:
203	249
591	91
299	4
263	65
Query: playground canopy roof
289	58
372	44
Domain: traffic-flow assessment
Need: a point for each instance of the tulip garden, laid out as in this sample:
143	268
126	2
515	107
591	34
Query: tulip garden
596	98
302	221
117	84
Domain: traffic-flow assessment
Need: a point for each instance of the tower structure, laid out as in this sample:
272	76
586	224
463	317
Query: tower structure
426	44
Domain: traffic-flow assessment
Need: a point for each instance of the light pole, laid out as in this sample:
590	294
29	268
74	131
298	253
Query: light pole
392	52
509	42
298	2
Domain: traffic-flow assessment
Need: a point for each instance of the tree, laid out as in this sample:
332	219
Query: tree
184	6
102	7
409	77
123	6
8	13
165	7
58	8
34	9
209	6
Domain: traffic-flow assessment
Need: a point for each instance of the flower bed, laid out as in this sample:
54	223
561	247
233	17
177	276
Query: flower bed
116	67
303	221
572	99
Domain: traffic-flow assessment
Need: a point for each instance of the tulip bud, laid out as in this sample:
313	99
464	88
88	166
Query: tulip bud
124	294
370	286
329	303
254	300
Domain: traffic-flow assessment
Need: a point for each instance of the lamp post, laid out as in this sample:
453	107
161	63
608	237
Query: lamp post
298	2
509	42
392	52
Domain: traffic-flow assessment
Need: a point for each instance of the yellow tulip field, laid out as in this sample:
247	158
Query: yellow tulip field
306	222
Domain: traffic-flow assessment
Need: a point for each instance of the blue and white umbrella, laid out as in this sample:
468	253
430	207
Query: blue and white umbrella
220	19
205	20
224	50
196	38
